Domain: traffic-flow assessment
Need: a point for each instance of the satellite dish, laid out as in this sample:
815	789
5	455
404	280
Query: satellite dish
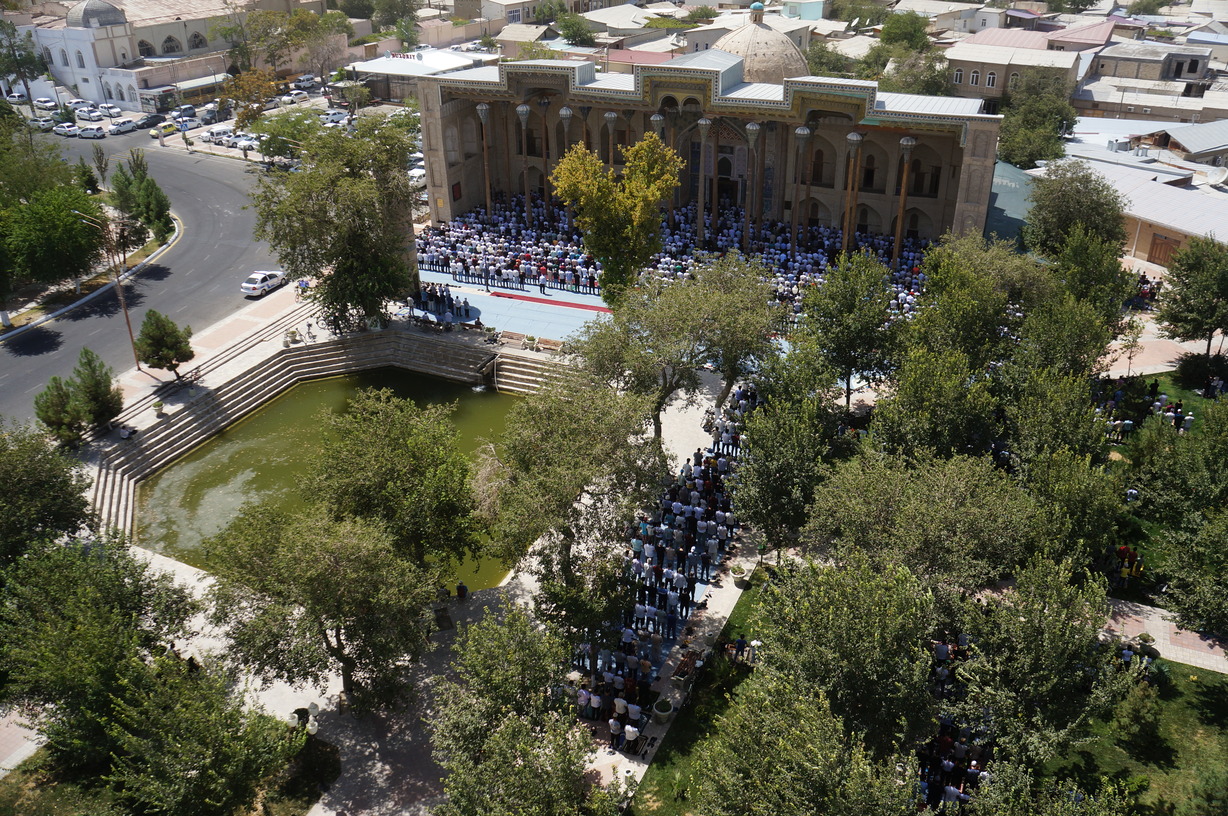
1218	176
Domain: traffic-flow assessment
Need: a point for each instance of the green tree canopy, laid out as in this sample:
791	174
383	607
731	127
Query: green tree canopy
619	216
575	29
49	241
47	501
1071	193
1036	116
826	61
305	595
19	56
925	73
1194	301
162	344
1092	270
384	458
95	385
907	29
61	411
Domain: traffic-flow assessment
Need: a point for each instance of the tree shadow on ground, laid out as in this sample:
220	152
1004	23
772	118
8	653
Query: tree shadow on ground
1208	703
153	272
34	342
106	305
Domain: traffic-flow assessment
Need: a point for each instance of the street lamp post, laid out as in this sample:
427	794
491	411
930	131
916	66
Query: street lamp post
704	125
850	201
544	102
117	258
748	198
611	118
906	145
484	115
803	139
716	158
522	111
565	114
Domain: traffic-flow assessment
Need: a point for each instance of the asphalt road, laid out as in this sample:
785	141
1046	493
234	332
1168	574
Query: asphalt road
195	282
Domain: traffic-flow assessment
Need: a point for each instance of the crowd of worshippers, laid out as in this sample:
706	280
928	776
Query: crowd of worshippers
1123	411
505	250
1146	291
952	765
672	550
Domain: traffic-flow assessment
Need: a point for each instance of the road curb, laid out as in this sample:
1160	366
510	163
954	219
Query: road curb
174	239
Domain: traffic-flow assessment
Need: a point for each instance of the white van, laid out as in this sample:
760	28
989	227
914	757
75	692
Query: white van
217	133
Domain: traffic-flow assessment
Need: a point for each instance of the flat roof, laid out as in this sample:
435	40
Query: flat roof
417	63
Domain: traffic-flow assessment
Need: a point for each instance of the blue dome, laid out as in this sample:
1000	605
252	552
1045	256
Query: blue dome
756	7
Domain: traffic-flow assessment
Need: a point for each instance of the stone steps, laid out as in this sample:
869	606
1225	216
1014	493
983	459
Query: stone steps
524	372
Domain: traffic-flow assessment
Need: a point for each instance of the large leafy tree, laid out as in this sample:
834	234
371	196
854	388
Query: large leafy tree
78	622
1194	303
1083	497
1198	567
344	220
1092	270
780	751
186	744
384	458
49	241
19	57
907	29
1039	674
620	217
1071	193
925	73
286	133
823	60
860	633
848	319
1015	791
163	344
1036	116
324	42
249	90
305	595
45	495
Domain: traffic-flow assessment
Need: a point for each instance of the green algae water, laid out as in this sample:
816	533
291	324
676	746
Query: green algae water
265	454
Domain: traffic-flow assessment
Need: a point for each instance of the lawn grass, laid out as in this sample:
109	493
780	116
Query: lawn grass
662	792
1193	740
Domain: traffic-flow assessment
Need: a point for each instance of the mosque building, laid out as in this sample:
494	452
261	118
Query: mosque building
754	129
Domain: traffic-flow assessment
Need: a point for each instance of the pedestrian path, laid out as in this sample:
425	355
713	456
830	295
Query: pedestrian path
1129	619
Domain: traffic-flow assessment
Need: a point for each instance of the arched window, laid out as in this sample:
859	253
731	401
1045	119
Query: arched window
119	92
145	48
197	41
132	94
991	80
867	172
106	90
816	167
172	46
80	60
959	76
63	58
1013	81
974	78
47	56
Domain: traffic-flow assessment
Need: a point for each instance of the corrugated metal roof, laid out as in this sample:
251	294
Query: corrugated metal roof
713	59
1096	33
765	91
1202	138
1002	55
1010	38
486	73
612	82
912	103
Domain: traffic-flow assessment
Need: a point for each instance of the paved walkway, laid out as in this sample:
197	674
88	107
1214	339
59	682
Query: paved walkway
1131	619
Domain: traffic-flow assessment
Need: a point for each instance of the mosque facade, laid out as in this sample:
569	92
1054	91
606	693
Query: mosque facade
753	129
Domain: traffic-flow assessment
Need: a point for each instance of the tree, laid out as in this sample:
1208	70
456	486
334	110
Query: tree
388	13
1145	7
153	208
924	73
1014	791
86	179
825	61
848	320
162	344
937	404
575	29
60	410
861	634
48	239
780	751
344	221
908	29
187	745
95	386
77	621
1199	565
102	162
1036	115
533	51
1038	674
357	9
620	217
275	35
306	595
386	459
234	31
325	40
1194	303
47	502
867	12
249	90
19	56
1072	193
701	13
286	133
1092	270
1050	410
1066	335
1083	498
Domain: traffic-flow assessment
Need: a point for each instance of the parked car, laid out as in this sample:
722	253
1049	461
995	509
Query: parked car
417	176
122	126
90	115
305	83
259	283
78	103
43	103
183	111
92	132
272	103
110	110
216	133
187	123
246	143
295	96
43	123
16	98
66	129
163	129
333	115
233	138
149	120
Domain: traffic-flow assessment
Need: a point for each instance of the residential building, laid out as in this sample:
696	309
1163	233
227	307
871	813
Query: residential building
943	15
1152	80
990	71
1205	143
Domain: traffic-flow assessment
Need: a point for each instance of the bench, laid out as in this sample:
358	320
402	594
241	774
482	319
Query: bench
545	344
513	339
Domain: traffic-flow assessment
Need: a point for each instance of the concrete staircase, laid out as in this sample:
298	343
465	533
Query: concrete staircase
199	410
524	372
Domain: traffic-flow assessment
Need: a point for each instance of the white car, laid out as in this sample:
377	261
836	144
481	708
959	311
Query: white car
16	98
417	176
304	83
66	129
245	143
43	103
43	123
111	110
188	123
74	104
259	283
92	132
122	126
216	133
332	115
90	114
295	96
